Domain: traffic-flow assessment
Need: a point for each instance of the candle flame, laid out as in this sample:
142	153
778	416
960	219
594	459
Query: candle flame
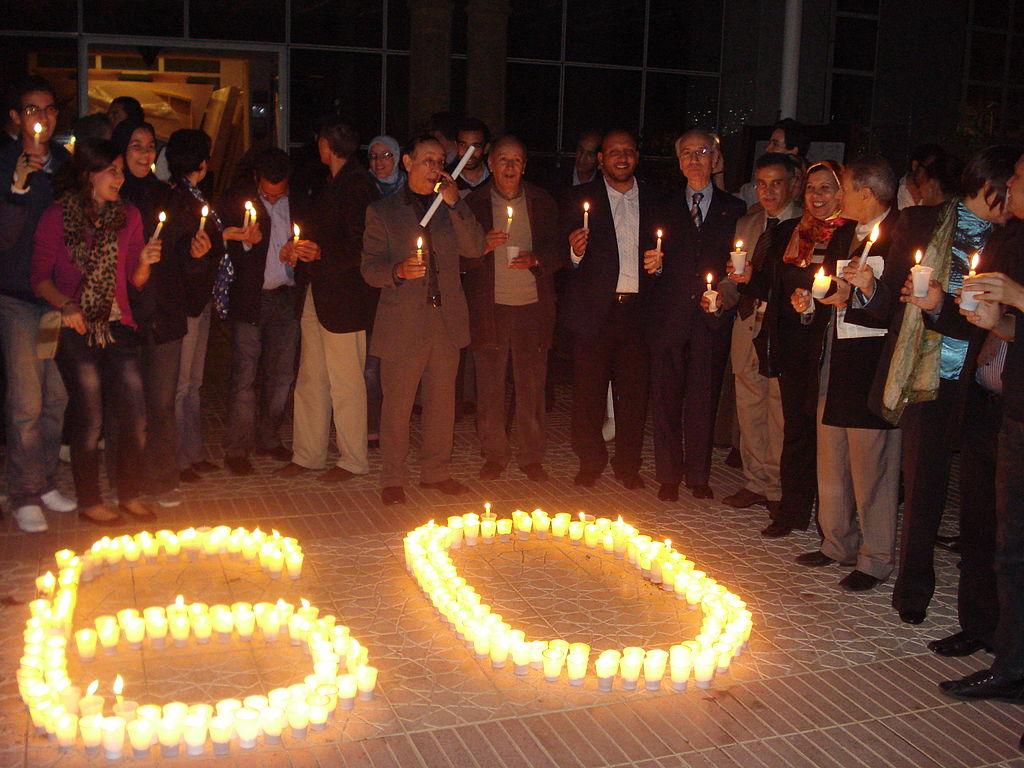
586	206
38	128
668	543
162	217
710	277
304	601
659	233
510	211
917	256
739	244
295	229
419	243
118	688
974	260
248	205
620	519
152	167
206	211
180	601
874	234
820	274
93	687
273	531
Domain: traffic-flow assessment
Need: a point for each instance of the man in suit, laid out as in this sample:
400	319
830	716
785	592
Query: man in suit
422	321
689	346
512	307
610	280
758	401
336	311
261	311
858	452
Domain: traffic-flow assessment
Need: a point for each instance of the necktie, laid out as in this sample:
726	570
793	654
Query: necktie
695	214
749	303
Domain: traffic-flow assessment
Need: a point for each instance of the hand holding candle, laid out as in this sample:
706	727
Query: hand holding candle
248	211
440	183
202	221
821	284
921	275
295	234
968	297
867	246
711	295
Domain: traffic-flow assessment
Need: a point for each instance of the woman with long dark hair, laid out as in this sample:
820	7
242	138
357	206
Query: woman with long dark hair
91	262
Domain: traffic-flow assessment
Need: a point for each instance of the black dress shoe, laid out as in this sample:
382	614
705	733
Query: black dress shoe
815	559
986	684
912	616
535	472
744	498
238	465
586	479
960	644
280	453
734	459
631	482
491	470
952	543
205	466
189	475
776	530
450	486
669	492
701	491
858	581
393	494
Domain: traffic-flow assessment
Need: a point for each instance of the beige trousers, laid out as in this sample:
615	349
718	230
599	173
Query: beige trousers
759	415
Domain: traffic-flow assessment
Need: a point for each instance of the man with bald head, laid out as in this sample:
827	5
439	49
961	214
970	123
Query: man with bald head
614	266
690	346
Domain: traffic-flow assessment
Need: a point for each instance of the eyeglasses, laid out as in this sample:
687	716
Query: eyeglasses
31	110
382	156
695	154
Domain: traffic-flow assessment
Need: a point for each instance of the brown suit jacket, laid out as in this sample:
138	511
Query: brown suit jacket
479	277
392	226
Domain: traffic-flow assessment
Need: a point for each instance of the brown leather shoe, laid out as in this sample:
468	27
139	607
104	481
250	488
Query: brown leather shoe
99	514
137	510
744	498
291	469
334	475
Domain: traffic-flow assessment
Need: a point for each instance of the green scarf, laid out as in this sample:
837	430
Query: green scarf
97	259
914	371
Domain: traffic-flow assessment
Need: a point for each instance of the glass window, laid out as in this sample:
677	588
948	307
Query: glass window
397	121
598	99
851	99
52	16
857	6
993	13
685	35
981	111
355	24
123	17
398	25
988	56
605	31
535	29
674	103
1017	58
459	22
531	95
54	59
1014	113
457	97
332	83
855	43
261	20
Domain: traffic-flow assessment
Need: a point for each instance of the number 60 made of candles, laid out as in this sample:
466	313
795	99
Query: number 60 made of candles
724	632
340	670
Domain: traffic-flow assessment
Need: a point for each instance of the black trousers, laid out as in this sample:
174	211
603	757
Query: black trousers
616	354
686	381
160	364
88	373
1009	560
798	465
977	602
927	454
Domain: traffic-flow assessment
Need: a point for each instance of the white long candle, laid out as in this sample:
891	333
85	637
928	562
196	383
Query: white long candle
437	199
159	226
867	246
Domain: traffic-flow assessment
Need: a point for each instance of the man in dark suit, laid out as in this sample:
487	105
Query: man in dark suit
511	298
610	280
261	310
690	346
858	452
422	321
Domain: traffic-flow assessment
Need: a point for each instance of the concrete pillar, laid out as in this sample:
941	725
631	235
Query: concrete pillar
430	51
790	59
487	46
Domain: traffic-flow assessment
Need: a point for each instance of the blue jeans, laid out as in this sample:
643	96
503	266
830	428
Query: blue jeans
34	410
265	353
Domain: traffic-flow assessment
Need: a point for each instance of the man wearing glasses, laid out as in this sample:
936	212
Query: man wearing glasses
35	393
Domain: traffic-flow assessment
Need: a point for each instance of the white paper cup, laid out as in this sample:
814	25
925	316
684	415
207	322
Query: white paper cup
712	297
739	261
512	252
969	299
922	276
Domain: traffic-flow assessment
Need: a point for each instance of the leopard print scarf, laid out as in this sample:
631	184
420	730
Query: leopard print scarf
97	258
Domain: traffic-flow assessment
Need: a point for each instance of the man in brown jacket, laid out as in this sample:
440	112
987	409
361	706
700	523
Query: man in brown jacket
511	296
422	321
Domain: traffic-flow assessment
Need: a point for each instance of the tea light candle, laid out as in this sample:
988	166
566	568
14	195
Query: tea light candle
113	737
606	665
318	711
968	297
85	641
560	525
108	633
500	646
156	629
298	718
134	631
738	256
553	659
180	627
91	728
366	681
488	527
347	689
168	733
504	529
590	535
202	628
576	666
654	668
67	731
455	529
141	733
222	728
194	732
575	532
630	666
704	665
293	562
471	529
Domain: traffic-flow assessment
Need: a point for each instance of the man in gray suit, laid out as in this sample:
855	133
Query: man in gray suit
422	321
758	402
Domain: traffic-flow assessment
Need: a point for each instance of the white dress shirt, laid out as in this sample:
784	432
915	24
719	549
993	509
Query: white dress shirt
626	216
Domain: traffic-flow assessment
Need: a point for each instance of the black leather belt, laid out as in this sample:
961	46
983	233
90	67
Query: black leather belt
625	298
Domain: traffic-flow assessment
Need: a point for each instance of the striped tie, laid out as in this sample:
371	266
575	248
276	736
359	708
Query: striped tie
695	214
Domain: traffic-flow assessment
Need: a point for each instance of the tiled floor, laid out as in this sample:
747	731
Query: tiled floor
830	679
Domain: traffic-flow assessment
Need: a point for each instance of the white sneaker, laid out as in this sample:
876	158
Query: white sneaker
55	501
171	498
30	518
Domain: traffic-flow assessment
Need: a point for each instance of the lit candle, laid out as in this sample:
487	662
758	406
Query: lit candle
658	234
37	131
629	667
504	528
347	689
152	167
168	733
67	730
711	294
590	535
194	733
202	221
159	225
91	704
605	667
85	641
293	559
968	297
576	664
45	585
108	632
867	246
419	250
586	216
553	659
222	728
113	737
366	681
575	532
508	223
488	525
654	668
471	528
680	662
295	233
318	711
272	720
180	627
91	728
248	212
298	718
141	733
70	146
821	284
739	258
921	276
704	665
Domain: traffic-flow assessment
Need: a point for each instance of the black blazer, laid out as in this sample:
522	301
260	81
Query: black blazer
590	286
690	254
344	302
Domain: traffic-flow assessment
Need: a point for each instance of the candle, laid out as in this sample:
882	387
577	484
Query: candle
867	246
504	528
194	732
69	698
91	728
295	233
711	294
921	276
586	216
179	626
67	730
152	167
605	667
488	525
272	720
113	737
248	212
141	733
85	641
70	146
37	131
108	632
821	284
680	662
45	585
575	532
202	221
630	666
704	665
168	732
739	258
968	297
319	709
91	704
159	225
419	250
508	223
366	681
658	234
576	664
222	728
298	718
552	659
437	198
654	668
